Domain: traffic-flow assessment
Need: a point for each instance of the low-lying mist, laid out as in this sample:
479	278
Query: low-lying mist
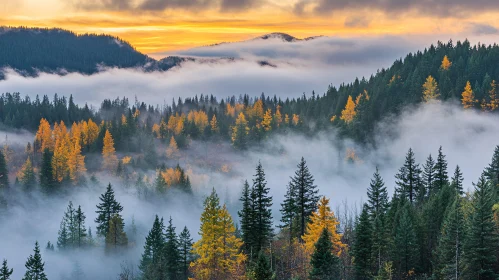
468	139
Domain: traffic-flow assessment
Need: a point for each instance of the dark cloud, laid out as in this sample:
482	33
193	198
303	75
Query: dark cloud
445	8
357	21
482	29
237	5
161	5
110	5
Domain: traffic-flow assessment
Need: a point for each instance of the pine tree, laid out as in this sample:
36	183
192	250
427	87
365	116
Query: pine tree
4	174
185	252
492	171
152	262
47	182
325	264
306	194
246	218
362	248
35	266
81	231
408	177
482	237
5	272
110	160
429	174
63	238
262	219
441	177
116	238
262	270
288	213
49	247
457	180
106	209
450	246
171	251
430	90
405	253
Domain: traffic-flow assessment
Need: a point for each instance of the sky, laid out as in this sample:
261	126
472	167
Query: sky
169	25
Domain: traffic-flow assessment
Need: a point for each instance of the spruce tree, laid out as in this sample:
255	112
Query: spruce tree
185	252
4	173
262	270
408	177
81	231
362	248
405	253
171	251
482	238
28	178
47	182
49	247
262	220
428	177
5	272
288	213
492	171
324	264
441	177
116	238
152	262
105	210
306	194
70	221
457	181
246	218
35	266
63	238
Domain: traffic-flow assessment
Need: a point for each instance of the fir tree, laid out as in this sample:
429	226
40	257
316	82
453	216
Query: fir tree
35	266
49	247
492	171
441	177
306	194
171	251
5	272
408	177
185	252
457	181
262	219
63	238
482	237
47	182
27	175
288	213
152	262
362	248
246	218
116	238
325	264
4	173
406	247
105	210
262	270
428	177
81	231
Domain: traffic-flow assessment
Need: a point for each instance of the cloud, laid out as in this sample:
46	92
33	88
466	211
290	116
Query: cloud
482	29
108	5
428	7
161	5
357	21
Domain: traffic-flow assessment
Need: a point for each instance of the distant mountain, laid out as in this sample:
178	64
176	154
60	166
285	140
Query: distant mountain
284	37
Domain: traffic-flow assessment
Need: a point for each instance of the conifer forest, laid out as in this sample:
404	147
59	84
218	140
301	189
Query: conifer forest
389	176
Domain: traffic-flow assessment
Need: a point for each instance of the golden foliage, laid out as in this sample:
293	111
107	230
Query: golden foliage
430	90
348	114
44	136
214	124
256	112
76	162
278	116
109	153
199	118
241	124
322	218
295	120
446	63
267	120
468	98
175	124
123	120
171	176
493	98
126	160
172	150
60	158
155	130
286	119
351	156
91	132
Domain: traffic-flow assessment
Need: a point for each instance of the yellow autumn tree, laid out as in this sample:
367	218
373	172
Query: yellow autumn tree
296	119
155	130
110	160
214	124
240	132
286	119
430	90
267	120
348	113
76	162
494	99
446	64
60	158
278	116
322	218
219	249
91	133
44	136
199	118
256	112
172	150
468	98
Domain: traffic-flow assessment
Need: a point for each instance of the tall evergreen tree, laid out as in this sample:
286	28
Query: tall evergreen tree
152	262
429	176
306	194
47	181
482	238
171	251
63	238
408	177
81	231
492	171
27	176
262	203
35	266
185	252
441	177
288	213
405	253
457	181
105	210
325	265
362	248
4	173
5	272
116	238
246	218
262	270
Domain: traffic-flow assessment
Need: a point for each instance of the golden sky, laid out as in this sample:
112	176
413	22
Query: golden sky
167	25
